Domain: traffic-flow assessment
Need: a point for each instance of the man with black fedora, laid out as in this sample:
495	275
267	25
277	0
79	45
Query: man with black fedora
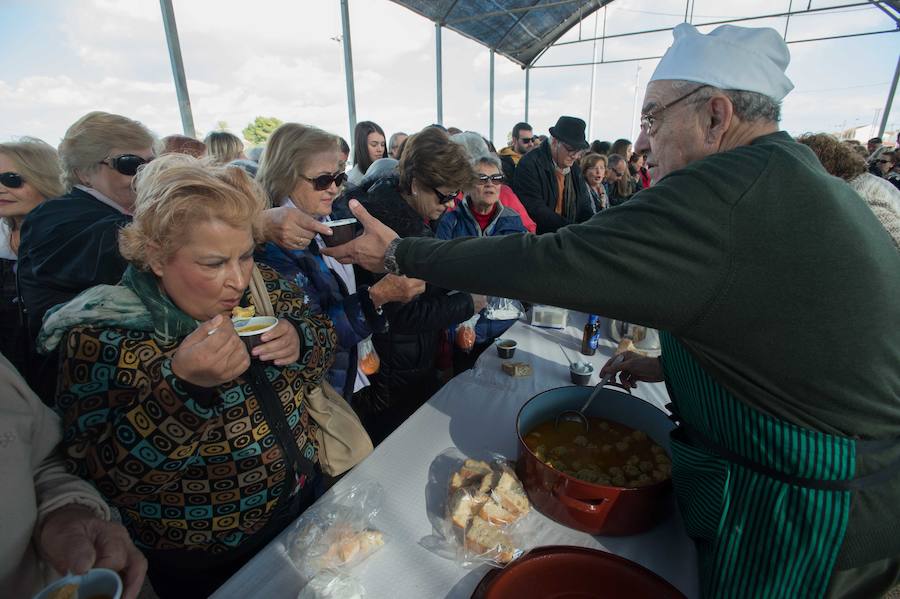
549	182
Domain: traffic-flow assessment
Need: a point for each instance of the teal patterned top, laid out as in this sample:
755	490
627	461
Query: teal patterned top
186	469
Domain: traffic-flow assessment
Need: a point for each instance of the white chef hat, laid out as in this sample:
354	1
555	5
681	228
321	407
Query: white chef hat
729	57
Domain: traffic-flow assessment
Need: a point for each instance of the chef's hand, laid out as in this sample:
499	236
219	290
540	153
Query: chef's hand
368	249
74	539
393	288
633	368
290	228
280	345
211	355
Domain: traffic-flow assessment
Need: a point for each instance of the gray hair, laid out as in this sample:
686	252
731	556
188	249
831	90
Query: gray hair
748	106
393	141
473	143
488	159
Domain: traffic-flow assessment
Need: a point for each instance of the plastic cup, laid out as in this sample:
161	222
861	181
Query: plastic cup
343	231
99	582
251	331
506	348
581	373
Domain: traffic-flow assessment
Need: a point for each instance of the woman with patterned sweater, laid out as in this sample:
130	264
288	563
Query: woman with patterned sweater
207	451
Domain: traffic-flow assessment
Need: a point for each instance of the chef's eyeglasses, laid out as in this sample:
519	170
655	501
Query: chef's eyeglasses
445	198
127	164
649	119
323	182
495	179
12	180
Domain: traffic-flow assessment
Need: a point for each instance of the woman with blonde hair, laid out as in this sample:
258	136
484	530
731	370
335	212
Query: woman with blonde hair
301	169
206	448
29	175
223	147
70	244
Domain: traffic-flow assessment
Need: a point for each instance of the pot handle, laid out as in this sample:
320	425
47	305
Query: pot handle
590	506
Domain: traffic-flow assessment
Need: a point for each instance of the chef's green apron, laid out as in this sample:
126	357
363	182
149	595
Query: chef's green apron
766	501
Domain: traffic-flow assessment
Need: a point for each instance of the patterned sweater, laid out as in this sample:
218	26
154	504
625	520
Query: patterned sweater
188	468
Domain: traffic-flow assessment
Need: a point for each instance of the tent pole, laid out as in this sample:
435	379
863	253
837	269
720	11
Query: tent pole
348	66
439	75
491	127
181	90
890	100
527	86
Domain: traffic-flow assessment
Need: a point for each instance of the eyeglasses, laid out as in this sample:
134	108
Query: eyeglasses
127	164
569	149
445	198
495	179
528	140
323	182
11	180
649	119
876	162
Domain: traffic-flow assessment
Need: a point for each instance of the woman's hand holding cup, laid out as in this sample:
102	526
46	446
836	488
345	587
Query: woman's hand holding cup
280	345
211	355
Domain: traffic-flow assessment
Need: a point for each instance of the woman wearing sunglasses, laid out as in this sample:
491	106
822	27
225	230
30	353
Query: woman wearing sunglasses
29	174
70	244
431	172
481	214
301	169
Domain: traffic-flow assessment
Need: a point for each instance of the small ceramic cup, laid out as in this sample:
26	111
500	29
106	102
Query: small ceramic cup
251	330
99	582
506	348
581	373
342	231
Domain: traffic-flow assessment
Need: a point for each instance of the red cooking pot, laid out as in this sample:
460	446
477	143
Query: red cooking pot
591	507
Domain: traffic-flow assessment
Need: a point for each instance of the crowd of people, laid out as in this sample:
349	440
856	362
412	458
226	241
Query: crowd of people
125	254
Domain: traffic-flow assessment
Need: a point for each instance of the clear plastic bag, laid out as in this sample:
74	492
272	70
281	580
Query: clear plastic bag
465	334
336	534
329	584
478	510
502	308
369	362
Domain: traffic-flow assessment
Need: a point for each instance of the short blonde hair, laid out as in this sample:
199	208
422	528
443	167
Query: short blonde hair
38	163
89	140
288	153
223	147
175	193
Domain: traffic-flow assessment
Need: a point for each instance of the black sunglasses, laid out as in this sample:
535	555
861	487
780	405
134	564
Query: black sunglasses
528	140
323	182
495	179
445	198
882	161
127	164
11	180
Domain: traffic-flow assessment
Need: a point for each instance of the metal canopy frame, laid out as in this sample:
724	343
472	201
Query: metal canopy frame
526	48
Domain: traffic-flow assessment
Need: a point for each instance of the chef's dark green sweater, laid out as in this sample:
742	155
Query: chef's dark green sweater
775	275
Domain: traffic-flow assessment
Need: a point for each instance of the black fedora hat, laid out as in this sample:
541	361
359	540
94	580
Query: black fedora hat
570	130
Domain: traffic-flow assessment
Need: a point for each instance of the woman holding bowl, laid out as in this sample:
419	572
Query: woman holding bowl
206	460
301	169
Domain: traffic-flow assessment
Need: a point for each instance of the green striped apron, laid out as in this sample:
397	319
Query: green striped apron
761	497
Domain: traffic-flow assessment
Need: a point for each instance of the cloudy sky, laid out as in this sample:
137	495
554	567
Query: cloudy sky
284	58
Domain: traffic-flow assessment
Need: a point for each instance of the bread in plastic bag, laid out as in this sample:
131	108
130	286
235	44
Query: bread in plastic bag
502	308
478	510
337	532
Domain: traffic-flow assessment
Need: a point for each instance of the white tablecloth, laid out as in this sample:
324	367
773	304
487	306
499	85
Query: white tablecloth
475	412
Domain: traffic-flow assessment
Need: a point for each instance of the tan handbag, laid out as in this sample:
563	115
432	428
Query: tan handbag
343	441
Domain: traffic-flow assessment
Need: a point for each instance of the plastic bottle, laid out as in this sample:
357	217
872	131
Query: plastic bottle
591	335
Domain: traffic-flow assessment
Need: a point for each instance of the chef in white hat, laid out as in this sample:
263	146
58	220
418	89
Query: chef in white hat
775	291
